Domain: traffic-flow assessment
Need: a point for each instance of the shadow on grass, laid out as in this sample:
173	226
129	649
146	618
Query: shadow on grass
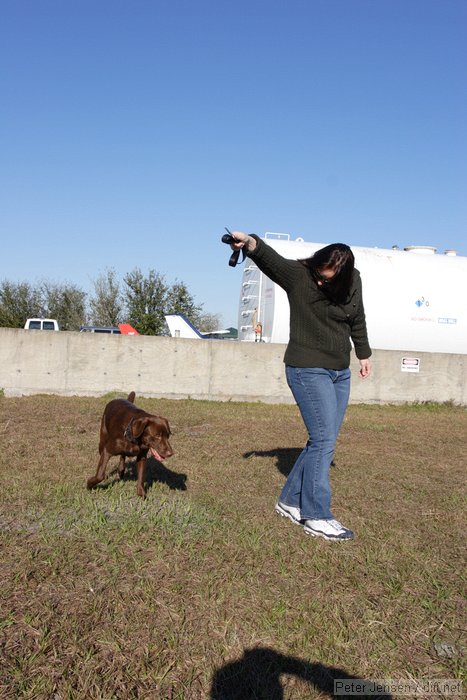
256	676
156	472
285	457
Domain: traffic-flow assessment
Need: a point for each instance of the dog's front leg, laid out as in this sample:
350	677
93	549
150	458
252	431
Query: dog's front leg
141	472
121	467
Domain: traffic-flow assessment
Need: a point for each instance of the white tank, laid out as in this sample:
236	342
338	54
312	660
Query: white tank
415	299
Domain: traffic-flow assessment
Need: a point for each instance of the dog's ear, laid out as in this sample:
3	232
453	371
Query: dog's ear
138	426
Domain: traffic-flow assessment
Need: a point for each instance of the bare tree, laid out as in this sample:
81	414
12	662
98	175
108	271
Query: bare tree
106	305
209	322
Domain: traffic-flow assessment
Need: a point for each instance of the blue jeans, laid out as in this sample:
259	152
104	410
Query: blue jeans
322	396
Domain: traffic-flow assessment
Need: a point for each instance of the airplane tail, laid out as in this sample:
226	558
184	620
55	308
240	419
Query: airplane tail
180	327
127	329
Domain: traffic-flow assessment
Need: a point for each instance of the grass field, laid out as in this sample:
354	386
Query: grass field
201	590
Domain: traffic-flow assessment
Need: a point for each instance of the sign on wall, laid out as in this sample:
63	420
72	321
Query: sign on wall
410	364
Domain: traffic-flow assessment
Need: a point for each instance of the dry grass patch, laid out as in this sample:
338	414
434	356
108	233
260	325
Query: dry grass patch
201	591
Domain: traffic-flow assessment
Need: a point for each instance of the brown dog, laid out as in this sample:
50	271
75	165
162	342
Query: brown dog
129	431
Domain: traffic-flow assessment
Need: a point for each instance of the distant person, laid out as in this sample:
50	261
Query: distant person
258	332
326	311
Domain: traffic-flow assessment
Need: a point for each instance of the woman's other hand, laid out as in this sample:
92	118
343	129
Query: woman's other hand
365	368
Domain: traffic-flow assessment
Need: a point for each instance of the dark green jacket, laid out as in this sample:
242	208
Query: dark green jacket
320	330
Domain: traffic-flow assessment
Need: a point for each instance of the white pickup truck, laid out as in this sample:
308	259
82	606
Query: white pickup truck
41	324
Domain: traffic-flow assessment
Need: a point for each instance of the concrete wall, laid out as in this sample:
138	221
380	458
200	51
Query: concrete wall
65	363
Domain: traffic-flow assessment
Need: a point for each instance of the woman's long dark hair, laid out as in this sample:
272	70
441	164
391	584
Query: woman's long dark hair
339	258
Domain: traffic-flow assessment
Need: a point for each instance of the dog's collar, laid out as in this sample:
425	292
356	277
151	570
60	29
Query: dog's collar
128	434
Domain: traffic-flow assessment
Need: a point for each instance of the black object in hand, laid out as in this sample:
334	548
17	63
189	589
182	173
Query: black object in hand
228	238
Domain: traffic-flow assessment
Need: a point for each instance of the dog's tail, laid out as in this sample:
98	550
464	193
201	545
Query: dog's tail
131	397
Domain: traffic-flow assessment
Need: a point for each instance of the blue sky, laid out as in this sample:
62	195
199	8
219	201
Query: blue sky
133	131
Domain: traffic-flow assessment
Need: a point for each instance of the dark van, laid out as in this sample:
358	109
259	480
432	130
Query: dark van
100	329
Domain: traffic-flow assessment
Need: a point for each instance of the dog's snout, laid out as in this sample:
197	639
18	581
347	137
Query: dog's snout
168	452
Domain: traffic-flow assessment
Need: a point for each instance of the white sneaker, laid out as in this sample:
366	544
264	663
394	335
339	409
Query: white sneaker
289	512
329	529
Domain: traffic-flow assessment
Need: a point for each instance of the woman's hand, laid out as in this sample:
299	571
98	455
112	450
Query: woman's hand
365	368
243	240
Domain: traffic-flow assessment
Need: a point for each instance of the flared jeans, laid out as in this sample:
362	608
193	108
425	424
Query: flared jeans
322	396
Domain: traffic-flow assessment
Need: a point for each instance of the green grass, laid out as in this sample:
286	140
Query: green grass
201	591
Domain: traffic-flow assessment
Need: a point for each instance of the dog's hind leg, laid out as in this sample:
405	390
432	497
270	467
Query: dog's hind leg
100	473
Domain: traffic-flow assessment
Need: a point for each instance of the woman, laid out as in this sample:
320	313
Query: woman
326	310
